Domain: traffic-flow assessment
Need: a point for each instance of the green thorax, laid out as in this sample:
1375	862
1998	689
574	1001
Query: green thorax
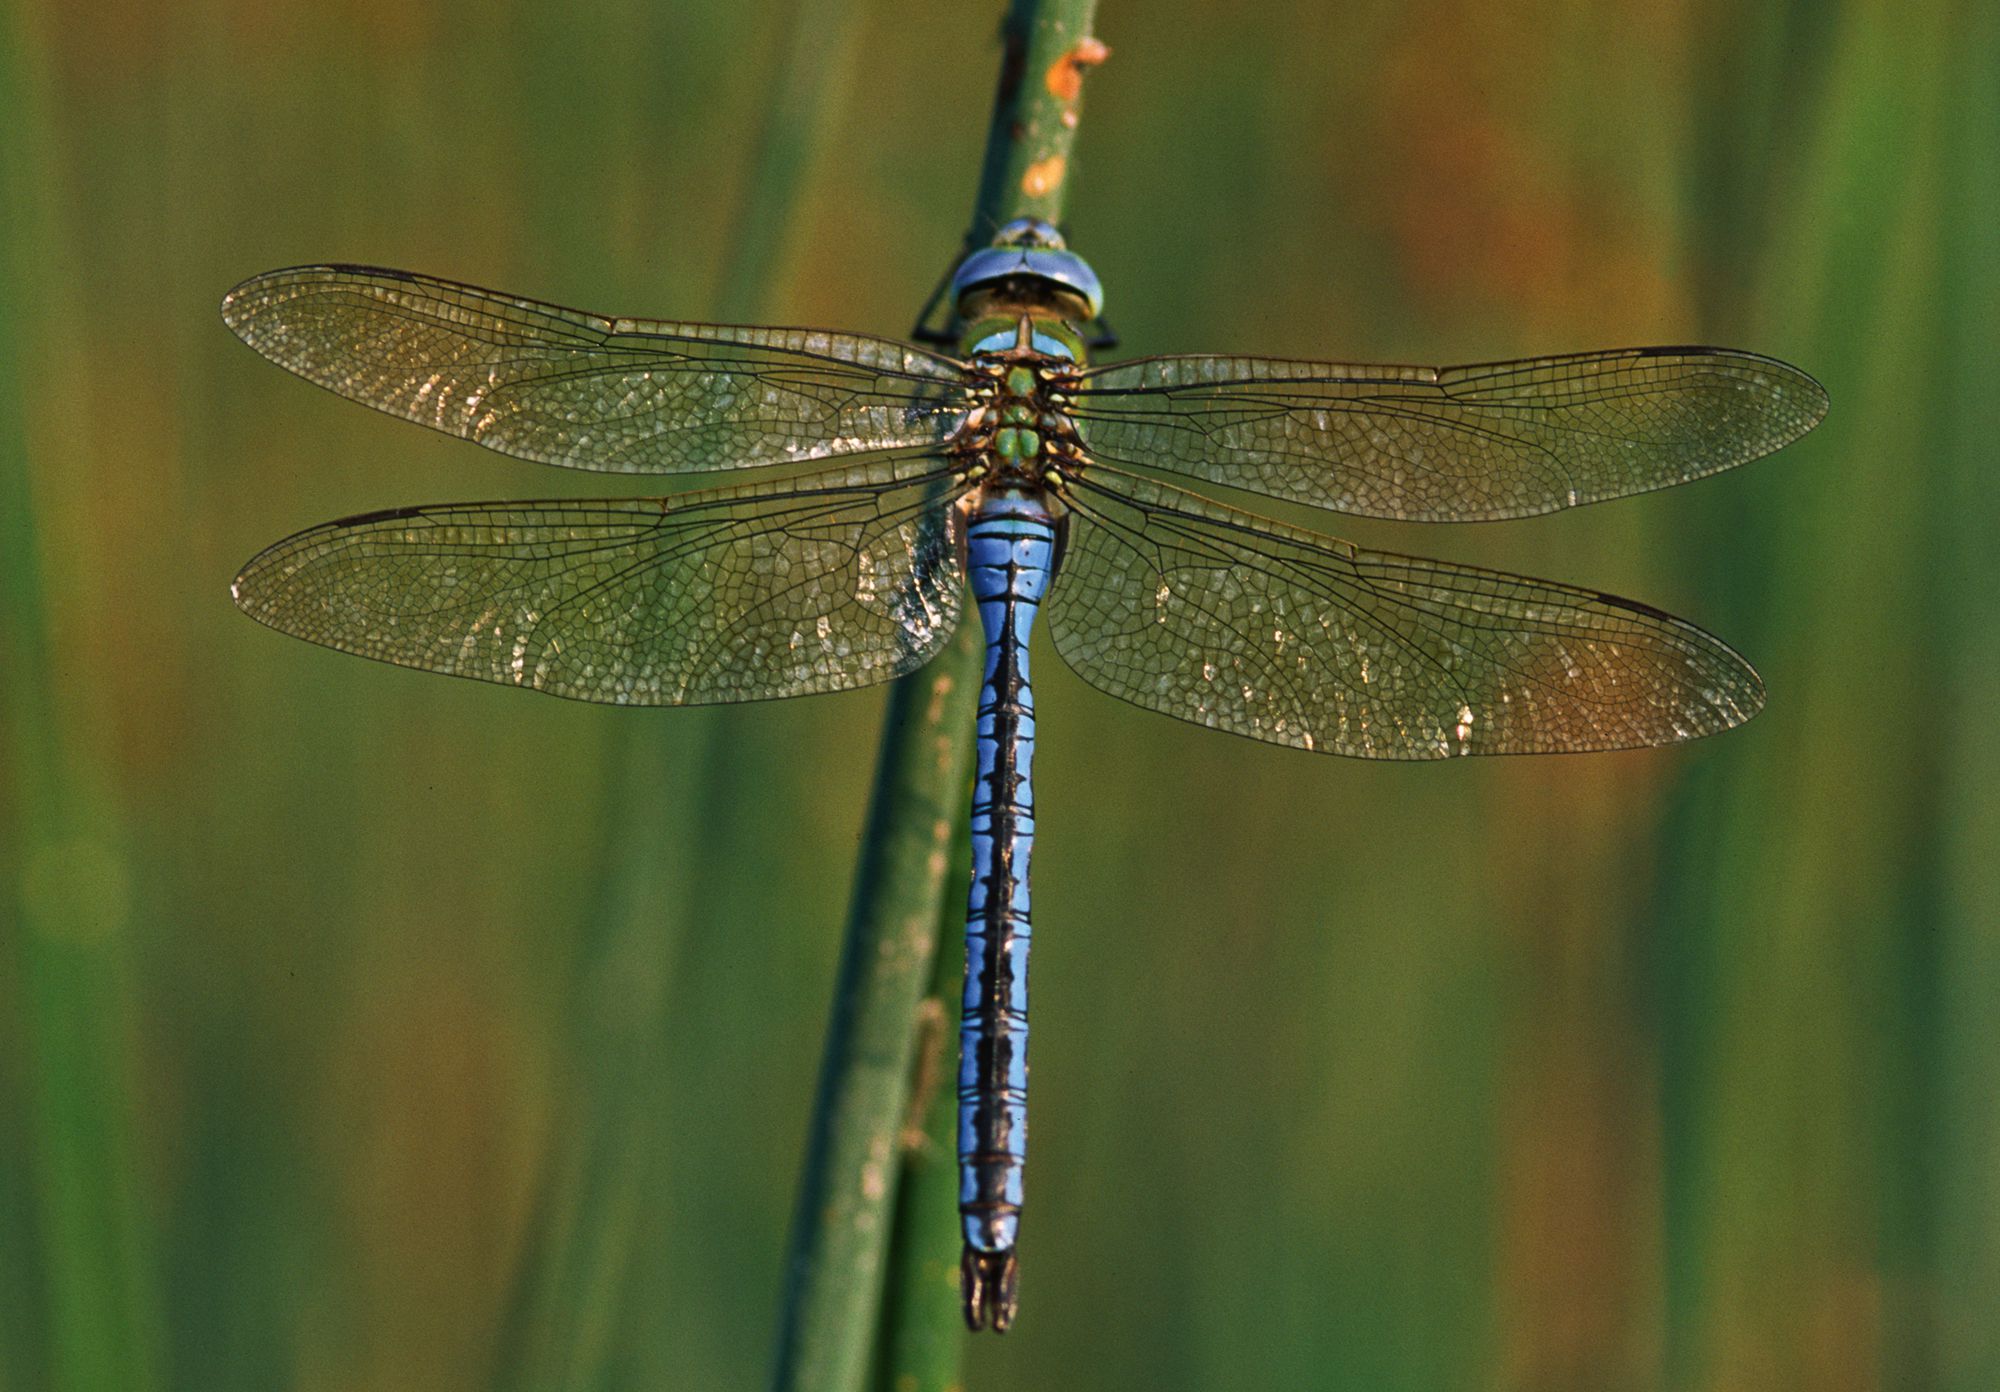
998	333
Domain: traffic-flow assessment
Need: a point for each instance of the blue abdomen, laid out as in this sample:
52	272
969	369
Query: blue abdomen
1010	552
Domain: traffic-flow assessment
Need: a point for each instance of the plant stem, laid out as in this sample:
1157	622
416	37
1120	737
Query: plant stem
847	1193
923	1336
1047	49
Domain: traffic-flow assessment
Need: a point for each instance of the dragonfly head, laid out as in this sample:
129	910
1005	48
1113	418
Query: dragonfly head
1027	268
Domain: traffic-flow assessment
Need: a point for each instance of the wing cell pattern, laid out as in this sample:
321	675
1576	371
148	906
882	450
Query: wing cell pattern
560	386
1451	444
1186	607
739	594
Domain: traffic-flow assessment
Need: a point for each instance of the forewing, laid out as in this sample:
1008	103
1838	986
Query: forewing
560	386
1449	444
1186	607
843	580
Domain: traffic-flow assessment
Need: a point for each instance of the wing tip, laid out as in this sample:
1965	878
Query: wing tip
1726	687
243	586
1794	386
1748	704
232	301
1818	401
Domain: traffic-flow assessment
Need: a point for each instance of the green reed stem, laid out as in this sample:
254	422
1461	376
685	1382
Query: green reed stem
923	1329
847	1194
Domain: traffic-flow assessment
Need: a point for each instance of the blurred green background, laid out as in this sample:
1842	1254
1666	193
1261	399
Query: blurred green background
365	1030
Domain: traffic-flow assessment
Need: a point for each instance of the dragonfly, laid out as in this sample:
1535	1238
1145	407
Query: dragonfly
888	480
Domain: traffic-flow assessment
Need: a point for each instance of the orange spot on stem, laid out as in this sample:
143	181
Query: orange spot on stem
1065	75
1042	177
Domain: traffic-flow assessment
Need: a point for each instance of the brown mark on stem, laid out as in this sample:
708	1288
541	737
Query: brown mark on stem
933	1031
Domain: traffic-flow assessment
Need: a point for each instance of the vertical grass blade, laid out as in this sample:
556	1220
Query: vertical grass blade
1808	939
565	1310
1964	1221
847	1194
809	84
64	876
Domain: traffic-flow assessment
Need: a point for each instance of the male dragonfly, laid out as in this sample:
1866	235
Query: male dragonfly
1016	468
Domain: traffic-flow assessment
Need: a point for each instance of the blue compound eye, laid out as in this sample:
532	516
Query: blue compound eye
1030	249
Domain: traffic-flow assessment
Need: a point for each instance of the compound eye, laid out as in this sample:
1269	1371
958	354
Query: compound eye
1031	233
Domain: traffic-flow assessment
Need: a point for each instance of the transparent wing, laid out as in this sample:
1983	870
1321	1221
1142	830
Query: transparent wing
1186	607
1449	444
560	386
839	581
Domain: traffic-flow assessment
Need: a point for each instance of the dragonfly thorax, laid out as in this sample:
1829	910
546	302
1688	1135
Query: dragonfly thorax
1019	429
